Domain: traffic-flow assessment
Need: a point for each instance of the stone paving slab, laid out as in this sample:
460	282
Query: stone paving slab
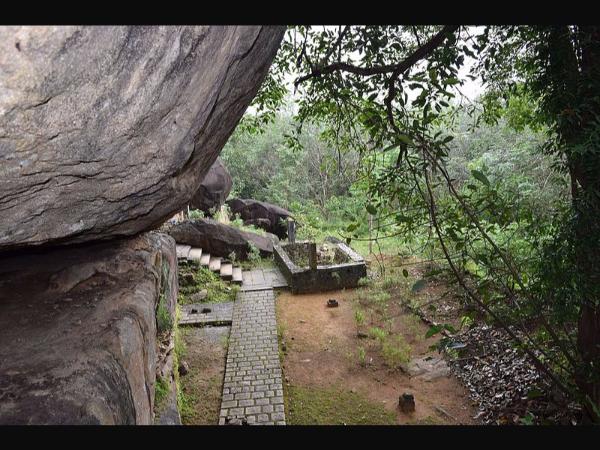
219	314
253	389
262	278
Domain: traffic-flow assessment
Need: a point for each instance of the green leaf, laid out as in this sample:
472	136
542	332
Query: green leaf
404	138
371	209
450	328
534	393
405	273
420	284
478	175
435	329
451	81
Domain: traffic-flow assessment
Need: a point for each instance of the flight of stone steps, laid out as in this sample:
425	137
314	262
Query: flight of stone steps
226	270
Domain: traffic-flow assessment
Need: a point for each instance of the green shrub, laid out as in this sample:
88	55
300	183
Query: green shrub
196	214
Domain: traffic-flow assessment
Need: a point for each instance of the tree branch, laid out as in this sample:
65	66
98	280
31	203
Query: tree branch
396	69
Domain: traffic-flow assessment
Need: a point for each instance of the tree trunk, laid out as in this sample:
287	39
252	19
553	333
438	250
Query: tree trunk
576	82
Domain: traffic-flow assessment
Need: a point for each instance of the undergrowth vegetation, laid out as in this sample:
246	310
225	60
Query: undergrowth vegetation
193	279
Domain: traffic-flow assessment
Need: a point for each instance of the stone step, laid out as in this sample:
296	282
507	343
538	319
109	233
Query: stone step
205	259
215	263
226	272
183	251
195	254
237	275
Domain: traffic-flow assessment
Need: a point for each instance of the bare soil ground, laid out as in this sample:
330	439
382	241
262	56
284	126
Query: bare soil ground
205	353
322	352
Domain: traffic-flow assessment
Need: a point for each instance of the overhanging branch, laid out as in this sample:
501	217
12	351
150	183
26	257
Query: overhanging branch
395	69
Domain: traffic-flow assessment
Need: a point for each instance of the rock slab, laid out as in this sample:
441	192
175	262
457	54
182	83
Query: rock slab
219	239
78	331
213	190
106	131
271	218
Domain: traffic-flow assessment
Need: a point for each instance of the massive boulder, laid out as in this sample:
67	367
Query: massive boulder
271	218
78	331
219	239
213	190
107	131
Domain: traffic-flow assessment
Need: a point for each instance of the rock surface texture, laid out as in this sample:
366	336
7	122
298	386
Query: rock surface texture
219	239
78	331
267	216
107	131
213	190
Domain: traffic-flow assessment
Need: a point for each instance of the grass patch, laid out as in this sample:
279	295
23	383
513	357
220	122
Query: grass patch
395	351
164	322
193	279
239	224
257	263
161	391
330	406
200	403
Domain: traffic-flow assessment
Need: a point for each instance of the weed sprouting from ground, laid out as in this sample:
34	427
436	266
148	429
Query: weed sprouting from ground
395	351
362	356
359	317
378	333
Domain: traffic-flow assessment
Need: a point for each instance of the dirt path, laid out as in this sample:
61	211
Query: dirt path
321	351
205	352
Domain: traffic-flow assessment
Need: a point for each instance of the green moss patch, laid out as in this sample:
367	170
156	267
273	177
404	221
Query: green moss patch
329	406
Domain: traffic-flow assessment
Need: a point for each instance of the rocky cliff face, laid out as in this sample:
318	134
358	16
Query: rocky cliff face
104	133
78	331
107	131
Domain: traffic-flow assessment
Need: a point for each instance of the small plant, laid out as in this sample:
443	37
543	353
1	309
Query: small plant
466	322
164	322
364	281
362	356
232	257
380	297
196	214
395	351
359	317
413	324
378	333
253	253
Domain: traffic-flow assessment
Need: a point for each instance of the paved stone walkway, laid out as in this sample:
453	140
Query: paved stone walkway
258	279
253	390
206	314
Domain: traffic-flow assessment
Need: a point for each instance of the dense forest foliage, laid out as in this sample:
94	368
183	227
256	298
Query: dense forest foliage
505	191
